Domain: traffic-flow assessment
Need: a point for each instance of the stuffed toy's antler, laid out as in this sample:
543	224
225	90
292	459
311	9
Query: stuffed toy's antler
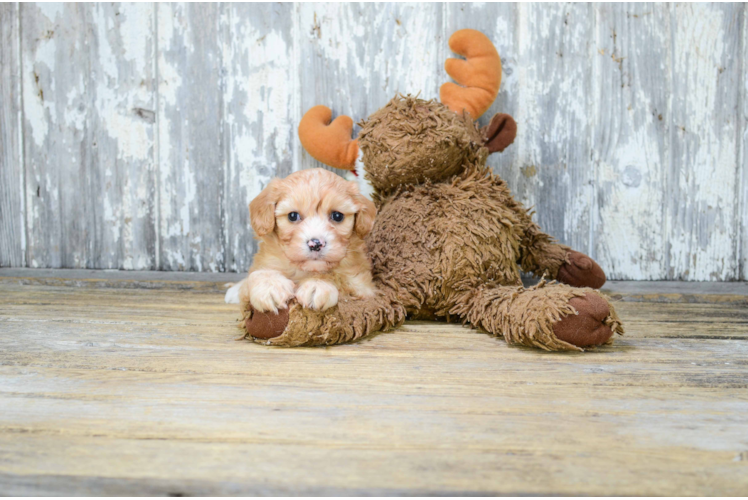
479	74
327	142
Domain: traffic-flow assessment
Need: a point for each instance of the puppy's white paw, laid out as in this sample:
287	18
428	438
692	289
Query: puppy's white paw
269	291
317	294
232	294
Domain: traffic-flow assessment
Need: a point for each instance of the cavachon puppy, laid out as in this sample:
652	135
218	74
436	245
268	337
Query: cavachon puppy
311	227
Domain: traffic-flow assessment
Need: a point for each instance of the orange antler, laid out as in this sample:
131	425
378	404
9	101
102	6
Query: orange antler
480	74
327	142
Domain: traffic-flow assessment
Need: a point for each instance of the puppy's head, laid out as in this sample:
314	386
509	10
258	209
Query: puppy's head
314	214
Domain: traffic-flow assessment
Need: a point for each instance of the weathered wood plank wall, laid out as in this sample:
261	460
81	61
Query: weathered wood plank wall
743	157
140	132
12	226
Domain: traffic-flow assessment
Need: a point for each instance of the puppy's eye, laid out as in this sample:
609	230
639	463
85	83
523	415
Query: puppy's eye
293	216
337	216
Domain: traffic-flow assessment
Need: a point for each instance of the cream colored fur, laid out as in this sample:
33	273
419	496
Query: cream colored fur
285	267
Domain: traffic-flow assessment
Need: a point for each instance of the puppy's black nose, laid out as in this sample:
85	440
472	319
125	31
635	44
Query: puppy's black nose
315	245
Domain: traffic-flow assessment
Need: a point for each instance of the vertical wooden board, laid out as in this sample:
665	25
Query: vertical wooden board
631	146
88	109
122	179
743	158
553	151
56	100
258	112
499	22
190	138
12	224
703	177
354	58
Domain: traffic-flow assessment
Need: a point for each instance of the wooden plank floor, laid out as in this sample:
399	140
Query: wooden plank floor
143	390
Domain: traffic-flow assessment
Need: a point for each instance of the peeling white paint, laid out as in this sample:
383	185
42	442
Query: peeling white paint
50	10
649	197
39	63
631	151
706	92
136	26
169	82
258	113
742	243
553	115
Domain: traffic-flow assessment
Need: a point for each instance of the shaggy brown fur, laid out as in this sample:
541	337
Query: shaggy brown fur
351	319
527	316
410	141
449	240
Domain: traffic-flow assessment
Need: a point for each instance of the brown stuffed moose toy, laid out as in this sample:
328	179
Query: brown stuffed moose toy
449	240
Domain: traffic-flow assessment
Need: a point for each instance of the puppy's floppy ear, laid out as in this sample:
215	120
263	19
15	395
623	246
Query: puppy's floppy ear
365	211
262	208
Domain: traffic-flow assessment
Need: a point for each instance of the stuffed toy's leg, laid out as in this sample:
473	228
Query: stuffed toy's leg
350	320
550	316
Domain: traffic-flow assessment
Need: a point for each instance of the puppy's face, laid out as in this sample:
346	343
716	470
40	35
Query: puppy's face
314	214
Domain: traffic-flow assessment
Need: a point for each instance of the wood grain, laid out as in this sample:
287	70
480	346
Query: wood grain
123	150
12	214
743	157
190	134
553	149
631	134
145	391
704	168
56	100
89	107
259	92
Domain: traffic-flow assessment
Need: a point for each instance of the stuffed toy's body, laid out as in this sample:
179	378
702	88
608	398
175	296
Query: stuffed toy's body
449	240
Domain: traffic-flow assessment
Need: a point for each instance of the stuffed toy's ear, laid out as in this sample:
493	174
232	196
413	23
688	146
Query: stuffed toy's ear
479	75
262	209
500	133
327	142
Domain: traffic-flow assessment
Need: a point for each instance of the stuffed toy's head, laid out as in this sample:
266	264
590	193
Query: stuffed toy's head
411	140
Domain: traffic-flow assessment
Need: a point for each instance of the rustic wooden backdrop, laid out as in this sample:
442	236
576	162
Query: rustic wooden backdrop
133	136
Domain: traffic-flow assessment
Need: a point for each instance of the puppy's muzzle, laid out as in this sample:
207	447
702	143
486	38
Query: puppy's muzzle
315	245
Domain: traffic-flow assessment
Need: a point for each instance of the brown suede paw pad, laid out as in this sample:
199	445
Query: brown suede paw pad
588	328
581	271
266	325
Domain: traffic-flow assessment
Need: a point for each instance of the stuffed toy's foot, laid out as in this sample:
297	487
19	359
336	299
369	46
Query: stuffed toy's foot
581	271
550	316
589	327
296	326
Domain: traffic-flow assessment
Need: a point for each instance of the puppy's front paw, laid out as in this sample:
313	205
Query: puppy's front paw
269	291
316	294
232	294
